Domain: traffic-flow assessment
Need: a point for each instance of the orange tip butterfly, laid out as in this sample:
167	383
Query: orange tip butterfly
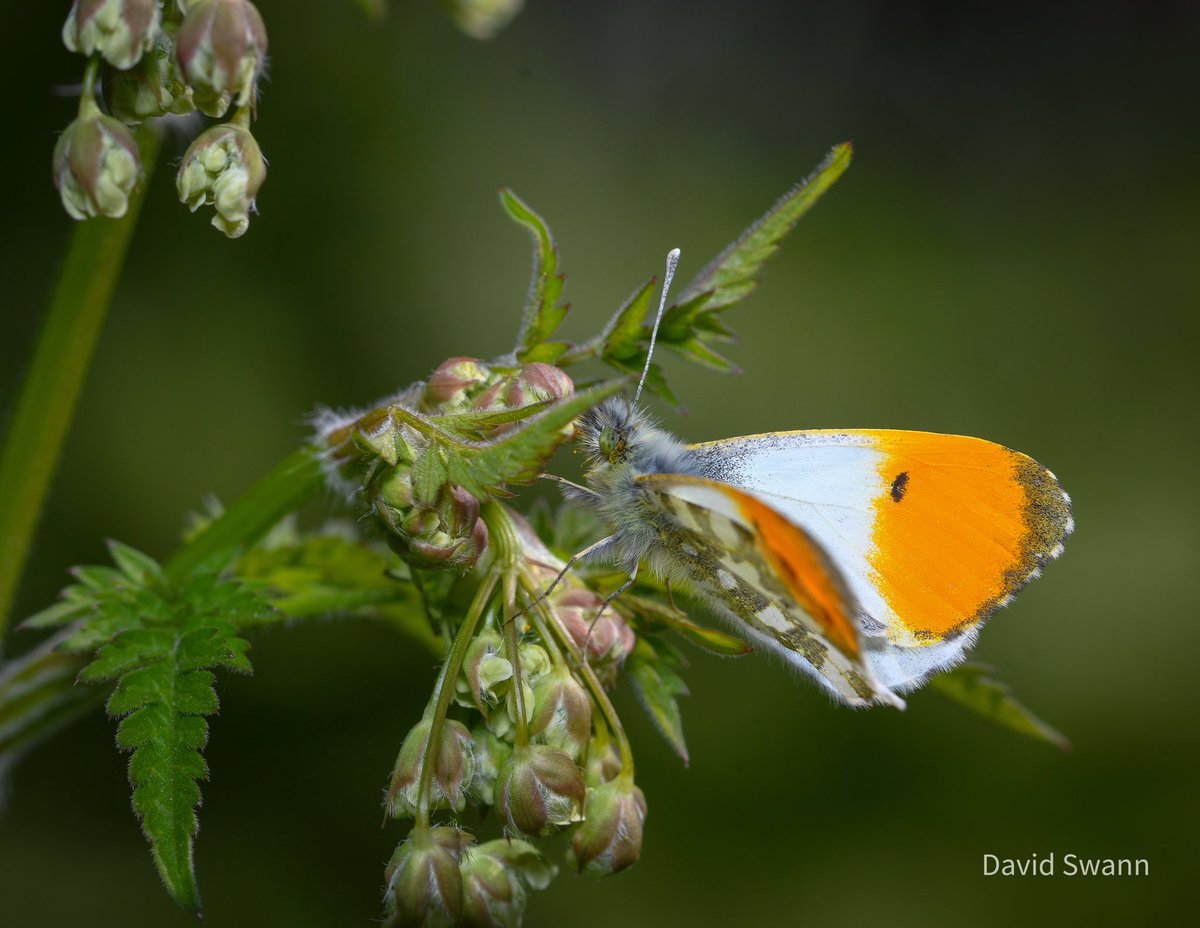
867	558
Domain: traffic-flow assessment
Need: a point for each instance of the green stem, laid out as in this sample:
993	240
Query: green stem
590	680
506	550
292	483
443	693
64	350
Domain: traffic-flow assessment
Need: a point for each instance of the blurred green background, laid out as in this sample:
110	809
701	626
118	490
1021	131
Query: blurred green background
1012	255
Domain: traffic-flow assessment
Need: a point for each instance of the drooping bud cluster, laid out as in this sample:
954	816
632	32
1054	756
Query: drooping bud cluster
424	884
96	165
384	454
540	787
453	769
610	837
223	168
161	61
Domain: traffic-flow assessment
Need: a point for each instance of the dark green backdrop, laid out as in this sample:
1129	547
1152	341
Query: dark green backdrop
1013	255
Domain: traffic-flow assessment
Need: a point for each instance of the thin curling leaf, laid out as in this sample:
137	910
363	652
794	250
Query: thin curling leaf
543	313
974	688
658	687
736	271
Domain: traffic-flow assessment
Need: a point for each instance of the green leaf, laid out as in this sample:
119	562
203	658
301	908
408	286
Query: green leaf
974	688
520	454
710	639
543	313
736	271
59	614
659	686
625	335
138	567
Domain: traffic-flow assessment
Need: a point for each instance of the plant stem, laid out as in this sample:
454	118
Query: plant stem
590	680
288	486
60	362
443	692
506	550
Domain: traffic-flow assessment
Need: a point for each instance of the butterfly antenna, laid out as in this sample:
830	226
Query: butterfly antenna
672	263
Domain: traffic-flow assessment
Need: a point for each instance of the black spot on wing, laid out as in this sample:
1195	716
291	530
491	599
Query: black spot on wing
900	486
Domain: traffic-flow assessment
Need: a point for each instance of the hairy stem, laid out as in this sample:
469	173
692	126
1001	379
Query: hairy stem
530	586
443	693
64	350
506	551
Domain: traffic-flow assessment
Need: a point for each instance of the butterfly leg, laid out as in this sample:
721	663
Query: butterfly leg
591	550
604	605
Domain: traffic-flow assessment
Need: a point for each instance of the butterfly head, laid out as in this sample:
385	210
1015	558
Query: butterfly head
618	436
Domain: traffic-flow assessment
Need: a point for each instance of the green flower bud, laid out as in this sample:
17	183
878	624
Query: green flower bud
224	168
483	669
539	788
96	165
453	770
482	19
495	877
562	714
447	533
610	837
491	754
222	49
153	87
119	30
534	383
424	883
453	383
608	640
603	762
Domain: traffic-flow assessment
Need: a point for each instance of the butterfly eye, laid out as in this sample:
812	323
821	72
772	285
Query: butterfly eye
612	445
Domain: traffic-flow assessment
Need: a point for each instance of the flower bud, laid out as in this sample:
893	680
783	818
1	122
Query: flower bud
491	754
562	713
119	30
539	788
445	532
537	382
610	837
424	883
453	769
482	19
483	669
603	762
96	165
153	87
451	384
222	49
609	639
224	168
495	877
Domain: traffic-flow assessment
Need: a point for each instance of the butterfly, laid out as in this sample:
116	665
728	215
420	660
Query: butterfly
869	559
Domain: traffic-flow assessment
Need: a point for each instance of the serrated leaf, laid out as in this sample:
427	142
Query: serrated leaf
658	687
697	351
98	579
735	272
473	424
543	314
973	687
136	566
624	335
61	613
519	455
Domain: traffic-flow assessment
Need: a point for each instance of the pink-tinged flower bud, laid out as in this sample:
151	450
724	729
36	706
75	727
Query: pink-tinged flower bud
482	19
609	640
96	165
610	837
537	382
453	769
424	883
562	714
153	87
538	789
450	533
222	50
450	384
495	878
119	30
223	168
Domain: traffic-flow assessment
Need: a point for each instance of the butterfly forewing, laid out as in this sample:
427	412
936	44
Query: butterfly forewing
933	532
772	578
